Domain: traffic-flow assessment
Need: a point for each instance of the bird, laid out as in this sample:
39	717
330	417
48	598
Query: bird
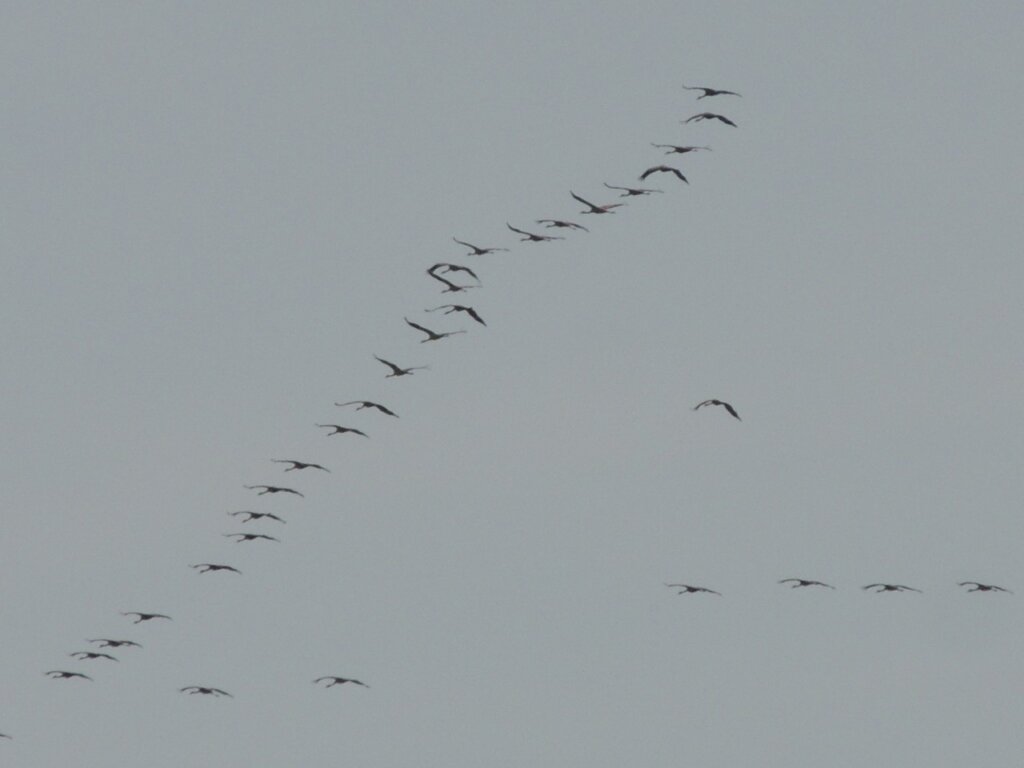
806	583
60	674
708	116
208	567
561	223
449	308
105	643
396	371
340	430
663	169
206	691
722	403
256	515
675	149
983	587
272	489
595	208
450	286
891	588
338	681
446	268
141	617
249	537
686	588
633	191
299	465
529	236
431	335
83	655
476	250
709	91
368	404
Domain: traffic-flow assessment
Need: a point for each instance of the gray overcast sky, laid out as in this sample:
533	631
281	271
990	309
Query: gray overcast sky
214	215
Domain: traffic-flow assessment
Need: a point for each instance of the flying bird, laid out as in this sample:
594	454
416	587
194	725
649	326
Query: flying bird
890	588
806	583
431	335
83	655
675	149
446	268
595	208
299	465
450	287
340	430
256	515
663	169
396	371
105	643
983	587
209	567
688	589
709	91
709	116
191	689
633	191
722	403
141	617
476	250
249	537
367	404
59	674
272	489
339	681
529	236
449	308
562	224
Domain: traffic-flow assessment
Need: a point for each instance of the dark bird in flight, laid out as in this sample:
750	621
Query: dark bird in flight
688	589
663	169
632	191
272	489
562	224
367	404
595	208
806	583
338	681
890	588
445	267
396	371
208	567
983	587
675	149
476	250
249	537
141	617
431	335
449	308
722	403
205	691
83	655
59	674
299	465
256	515
709	116
529	236
340	430
709	91
450	287
105	643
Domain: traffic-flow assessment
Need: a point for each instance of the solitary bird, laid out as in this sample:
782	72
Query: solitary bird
190	689
272	489
561	223
60	674
141	617
256	515
530	237
340	430
449	308
105	643
367	404
249	537
633	191
396	371
686	588
595	208
83	655
722	403
890	588
709	91
806	583
338	681
983	587
663	169
708	116
431	335
476	250
676	149
299	465
209	567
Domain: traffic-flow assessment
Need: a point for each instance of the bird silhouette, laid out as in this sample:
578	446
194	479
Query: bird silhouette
368	404
141	617
105	643
676	149
709	91
396	371
806	583
450	287
256	515
249	537
449	308
890	588
595	208
983	587
83	655
446	268
663	169
431	335
476	250
633	191
530	237
338	681
272	489
708	116
210	567
688	589
205	690
340	430
299	465
722	403
562	224
60	674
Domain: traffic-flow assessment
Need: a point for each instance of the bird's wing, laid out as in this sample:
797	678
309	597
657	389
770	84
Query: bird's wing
419	327
731	410
392	366
521	232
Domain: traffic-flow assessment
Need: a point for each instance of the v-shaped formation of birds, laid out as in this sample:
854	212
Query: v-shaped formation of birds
447	275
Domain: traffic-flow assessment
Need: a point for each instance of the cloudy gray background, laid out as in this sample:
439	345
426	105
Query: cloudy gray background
214	215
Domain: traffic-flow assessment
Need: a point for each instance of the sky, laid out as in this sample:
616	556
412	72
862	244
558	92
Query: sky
214	216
